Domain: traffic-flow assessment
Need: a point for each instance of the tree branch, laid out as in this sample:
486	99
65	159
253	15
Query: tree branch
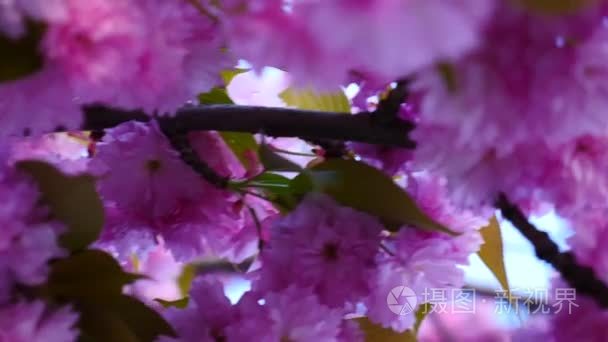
389	107
179	141
582	278
385	115
279	122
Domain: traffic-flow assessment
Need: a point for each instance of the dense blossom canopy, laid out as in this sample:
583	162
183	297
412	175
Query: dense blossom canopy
325	155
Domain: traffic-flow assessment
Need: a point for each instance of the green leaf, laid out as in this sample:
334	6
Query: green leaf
21	57
92	282
272	161
121	318
448	74
72	200
216	95
92	274
184	281
491	252
228	75
179	303
277	189
272	182
144	322
366	189
97	325
374	332
311	100
219	95
242	144
554	7
421	314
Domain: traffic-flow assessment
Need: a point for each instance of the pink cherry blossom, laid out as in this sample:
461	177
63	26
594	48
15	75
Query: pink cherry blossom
28	239
540	76
505	97
140	170
423	260
579	319
536	328
152	55
216	153
392	38
293	314
154	195
64	151
259	89
574	179
543	89
13	14
35	322
479	326
324	246
337	37
585	322
36	104
219	226
390	159
161	271
588	241
135	54
207	316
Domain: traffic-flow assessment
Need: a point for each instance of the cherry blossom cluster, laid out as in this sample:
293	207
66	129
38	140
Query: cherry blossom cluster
326	260
168	200
29	240
506	97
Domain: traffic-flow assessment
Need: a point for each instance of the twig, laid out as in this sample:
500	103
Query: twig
386	249
202	10
282	151
389	107
279	122
179	140
386	114
258	227
251	193
582	278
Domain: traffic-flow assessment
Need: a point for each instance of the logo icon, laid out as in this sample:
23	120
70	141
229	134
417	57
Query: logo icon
401	300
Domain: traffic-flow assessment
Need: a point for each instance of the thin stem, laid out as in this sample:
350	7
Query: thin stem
224	266
582	278
251	193
179	141
258	227
279	150
202	10
389	107
386	249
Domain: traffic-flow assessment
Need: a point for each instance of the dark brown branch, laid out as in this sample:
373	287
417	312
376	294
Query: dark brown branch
389	107
582	278
280	122
179	140
386	114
